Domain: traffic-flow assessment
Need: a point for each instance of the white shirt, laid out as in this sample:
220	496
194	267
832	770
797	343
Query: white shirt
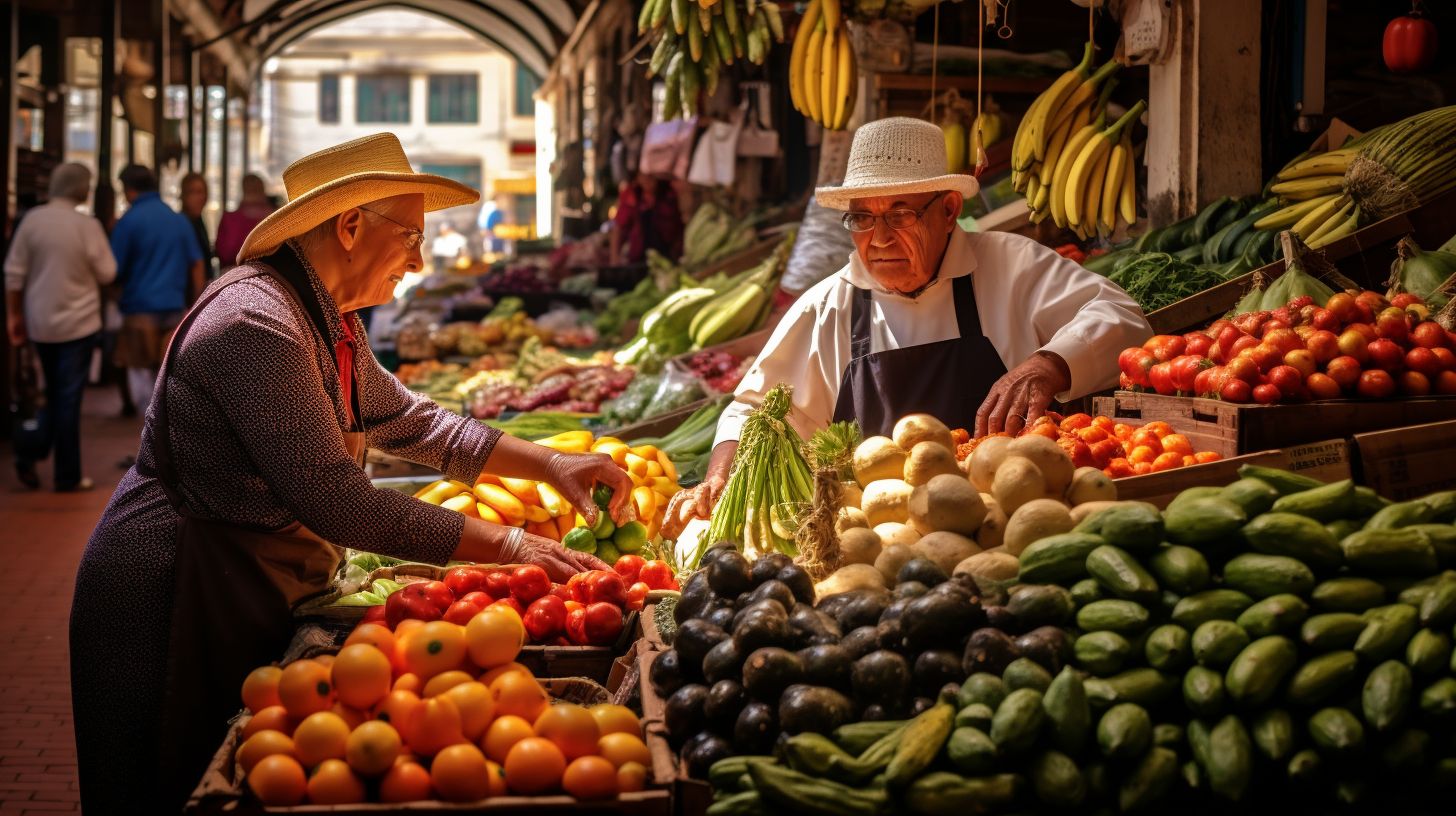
448	245
60	258
1028	297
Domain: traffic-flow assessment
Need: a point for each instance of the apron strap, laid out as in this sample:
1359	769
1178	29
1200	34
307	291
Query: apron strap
860	320
968	316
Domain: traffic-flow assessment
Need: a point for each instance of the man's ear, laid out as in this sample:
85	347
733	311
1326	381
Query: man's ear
954	201
347	226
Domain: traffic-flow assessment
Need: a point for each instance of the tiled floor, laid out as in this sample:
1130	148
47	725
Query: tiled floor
41	538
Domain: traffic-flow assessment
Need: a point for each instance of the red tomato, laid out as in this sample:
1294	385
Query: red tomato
1165	346
1197	344
577	588
1267	394
1385	354
1287	380
1265	356
1243	368
439	594
1324	345
1405	300
657	575
576	625
1429	334
498	585
1414	384
1134	363
602	586
1284	339
1248	341
1160	377
1445	357
480	599
1186	369
461	612
1302	359
512	603
1301	302
1423	360
1092	434
1216	328
1322	386
1409	44
1393	324
1345	371
1203	384
464	580
629	567
603	623
637	595
1342	305
1236	390
374	614
1279	320
545	617
572	606
529	583
1446	382
413	601
1324	320
1105	451
561	591
1376	384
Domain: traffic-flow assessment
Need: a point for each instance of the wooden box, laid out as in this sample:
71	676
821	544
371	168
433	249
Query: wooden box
689	796
1407	463
1230	429
1327	461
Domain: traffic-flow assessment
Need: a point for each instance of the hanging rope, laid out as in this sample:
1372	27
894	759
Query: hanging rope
934	59
1091	21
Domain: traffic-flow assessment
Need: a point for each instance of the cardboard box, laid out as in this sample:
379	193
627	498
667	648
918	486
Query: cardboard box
1407	463
1327	461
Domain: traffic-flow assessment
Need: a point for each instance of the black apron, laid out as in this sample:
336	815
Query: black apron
948	379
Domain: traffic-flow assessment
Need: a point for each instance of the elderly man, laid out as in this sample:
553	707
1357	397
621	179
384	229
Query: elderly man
979	329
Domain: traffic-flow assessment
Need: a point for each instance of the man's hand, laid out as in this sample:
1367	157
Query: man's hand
15	328
694	503
1021	396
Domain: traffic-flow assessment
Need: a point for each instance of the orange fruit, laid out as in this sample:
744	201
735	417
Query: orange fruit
614	718
443	682
274	717
1160	428
278	780
496	776
409	681
405	627
434	725
320	736
477	707
1142	454
304	688
376	634
436	647
460	774
397	708
534	765
518	694
325	660
265	743
353	717
490	676
619	749
372	748
571	727
631	777
333	783
590	777
495	636
1177	443
361	675
1167	461
503	733
260	688
405	782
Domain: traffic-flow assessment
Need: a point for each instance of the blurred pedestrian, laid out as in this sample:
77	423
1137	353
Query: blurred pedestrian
446	248
235	225
648	217
159	266
194	201
492	215
57	262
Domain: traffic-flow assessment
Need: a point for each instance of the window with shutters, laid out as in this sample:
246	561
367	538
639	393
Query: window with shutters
453	99
382	98
526	85
329	99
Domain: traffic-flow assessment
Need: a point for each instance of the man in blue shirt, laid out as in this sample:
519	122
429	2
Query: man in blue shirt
159	267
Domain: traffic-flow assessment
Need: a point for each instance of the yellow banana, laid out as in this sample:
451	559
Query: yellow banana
1064	132
1286	217
1021	155
844	80
1335	161
1334	221
1090	167
1062	174
796	56
812	67
1043	197
1127	204
1348	226
830	56
1112	186
1309	187
1033	188
1085	93
1064	86
1307	226
831	14
1096	173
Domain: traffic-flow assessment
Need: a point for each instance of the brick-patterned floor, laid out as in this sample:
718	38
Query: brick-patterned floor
43	534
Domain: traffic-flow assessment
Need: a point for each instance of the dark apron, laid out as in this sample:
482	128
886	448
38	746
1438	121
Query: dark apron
948	379
235	589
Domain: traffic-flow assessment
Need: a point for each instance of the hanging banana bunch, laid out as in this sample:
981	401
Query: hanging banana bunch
694	39
823	73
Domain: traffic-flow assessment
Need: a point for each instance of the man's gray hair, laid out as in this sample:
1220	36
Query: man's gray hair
72	181
320	235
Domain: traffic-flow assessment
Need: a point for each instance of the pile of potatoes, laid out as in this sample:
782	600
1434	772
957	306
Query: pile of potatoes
912	498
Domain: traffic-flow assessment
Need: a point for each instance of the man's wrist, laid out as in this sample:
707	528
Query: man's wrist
1063	371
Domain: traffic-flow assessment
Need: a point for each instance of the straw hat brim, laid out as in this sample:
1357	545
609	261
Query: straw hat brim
346	192
839	198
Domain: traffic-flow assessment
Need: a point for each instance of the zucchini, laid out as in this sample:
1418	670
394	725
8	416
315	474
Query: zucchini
1261	576
1323	504
1400	552
1058	559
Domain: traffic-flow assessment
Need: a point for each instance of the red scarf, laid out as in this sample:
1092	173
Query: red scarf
344	357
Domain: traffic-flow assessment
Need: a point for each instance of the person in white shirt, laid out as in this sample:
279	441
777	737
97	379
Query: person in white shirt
981	330
446	247
58	260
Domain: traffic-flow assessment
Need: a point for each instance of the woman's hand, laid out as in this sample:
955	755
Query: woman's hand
575	474
560	563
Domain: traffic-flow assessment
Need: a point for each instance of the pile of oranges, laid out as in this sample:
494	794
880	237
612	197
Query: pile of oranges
1117	448
430	710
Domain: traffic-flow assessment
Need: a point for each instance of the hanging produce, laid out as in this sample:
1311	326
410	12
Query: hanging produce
1409	45
693	41
1404	164
822	70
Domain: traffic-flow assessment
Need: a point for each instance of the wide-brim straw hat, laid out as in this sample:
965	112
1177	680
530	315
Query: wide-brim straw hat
896	156
321	185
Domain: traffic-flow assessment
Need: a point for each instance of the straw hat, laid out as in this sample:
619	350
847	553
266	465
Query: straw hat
323	184
895	156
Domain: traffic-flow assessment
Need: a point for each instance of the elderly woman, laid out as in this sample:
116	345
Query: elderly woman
249	476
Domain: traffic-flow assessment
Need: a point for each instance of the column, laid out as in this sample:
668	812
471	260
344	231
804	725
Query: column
161	74
9	48
247	126
189	62
222	196
105	204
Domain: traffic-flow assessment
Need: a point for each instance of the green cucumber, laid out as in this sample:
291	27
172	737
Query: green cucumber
1121	575
1273	733
1134	526
1323	677
1275	615
1347	595
1210	604
1260	576
1324	503
1429	652
1203	691
1294	536
1443	506
1230	762
1400	552
1018	721
1387	630
1443	541
1123	617
1283	481
1101	653
1124	732
1217	642
1387	695
1336	731
1183	570
1332	630
1258	672
1255	496
1067	711
1203	522
1402	514
1058	559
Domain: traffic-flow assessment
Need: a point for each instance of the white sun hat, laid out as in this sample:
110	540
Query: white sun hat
896	156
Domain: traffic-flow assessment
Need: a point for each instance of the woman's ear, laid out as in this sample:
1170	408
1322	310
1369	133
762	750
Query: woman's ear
346	227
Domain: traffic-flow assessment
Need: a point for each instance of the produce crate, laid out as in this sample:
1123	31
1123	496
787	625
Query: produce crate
221	790
1364	257
1230	429
1408	463
1327	461
689	796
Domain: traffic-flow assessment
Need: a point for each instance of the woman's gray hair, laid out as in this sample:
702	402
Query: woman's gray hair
72	181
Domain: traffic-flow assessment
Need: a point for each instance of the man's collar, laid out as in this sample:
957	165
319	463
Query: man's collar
959	259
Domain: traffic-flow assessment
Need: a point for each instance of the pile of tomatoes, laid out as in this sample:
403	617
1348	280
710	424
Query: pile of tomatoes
430	710
587	610
1356	345
1118	449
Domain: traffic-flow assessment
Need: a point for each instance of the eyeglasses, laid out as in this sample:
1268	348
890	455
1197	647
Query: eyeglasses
412	236
897	219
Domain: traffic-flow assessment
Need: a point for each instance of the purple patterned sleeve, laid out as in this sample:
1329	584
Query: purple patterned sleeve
277	412
410	426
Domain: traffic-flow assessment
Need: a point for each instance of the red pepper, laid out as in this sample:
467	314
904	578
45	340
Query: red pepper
1165	346
545	617
1409	45
603	623
637	595
411	602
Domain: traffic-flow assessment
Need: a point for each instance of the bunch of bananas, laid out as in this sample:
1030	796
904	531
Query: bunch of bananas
1069	162
743	307
696	38
822	68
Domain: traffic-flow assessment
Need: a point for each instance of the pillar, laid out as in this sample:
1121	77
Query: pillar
202	121
226	133
189	63
1203	106
161	65
247	126
105	204
9	51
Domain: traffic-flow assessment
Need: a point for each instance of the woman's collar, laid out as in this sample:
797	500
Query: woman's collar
959	259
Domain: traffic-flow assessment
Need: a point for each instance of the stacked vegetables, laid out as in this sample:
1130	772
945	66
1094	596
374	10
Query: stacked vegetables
1117	448
714	233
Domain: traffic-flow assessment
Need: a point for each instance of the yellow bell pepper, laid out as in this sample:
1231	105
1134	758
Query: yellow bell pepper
523	489
488	513
552	500
508	506
464	504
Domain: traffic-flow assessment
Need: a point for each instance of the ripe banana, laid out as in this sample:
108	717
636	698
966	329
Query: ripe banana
1335	162
830	57
796	56
844	81
1112	186
1287	217
1334	221
813	66
1306	188
1039	125
1062	174
1127	199
1072	125
1310	224
1339	231
1091	161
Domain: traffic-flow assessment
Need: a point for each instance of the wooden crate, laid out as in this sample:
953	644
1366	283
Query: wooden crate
1327	461
1230	429
689	796
1408	463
